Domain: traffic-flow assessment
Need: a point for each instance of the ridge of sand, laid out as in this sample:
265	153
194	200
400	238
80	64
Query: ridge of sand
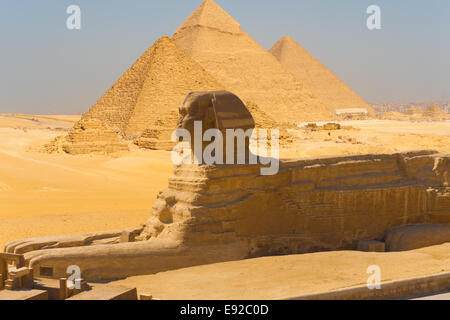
316	77
245	68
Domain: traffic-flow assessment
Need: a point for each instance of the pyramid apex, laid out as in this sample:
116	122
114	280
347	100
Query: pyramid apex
210	15
286	43
287	40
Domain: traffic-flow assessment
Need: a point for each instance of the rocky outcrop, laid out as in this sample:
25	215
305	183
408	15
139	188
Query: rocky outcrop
412	237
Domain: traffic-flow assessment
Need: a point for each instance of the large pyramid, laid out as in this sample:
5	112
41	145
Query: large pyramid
323	83
216	41
147	96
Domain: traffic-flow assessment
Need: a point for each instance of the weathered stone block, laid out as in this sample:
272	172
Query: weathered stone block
371	246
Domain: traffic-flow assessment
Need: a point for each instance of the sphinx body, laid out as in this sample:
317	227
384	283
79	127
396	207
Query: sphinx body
216	213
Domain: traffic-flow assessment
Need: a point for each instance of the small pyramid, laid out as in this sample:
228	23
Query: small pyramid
148	94
93	136
317	78
88	136
435	109
215	40
434	112
414	111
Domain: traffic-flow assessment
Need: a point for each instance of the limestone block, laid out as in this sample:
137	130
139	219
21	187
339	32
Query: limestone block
412	237
145	297
371	246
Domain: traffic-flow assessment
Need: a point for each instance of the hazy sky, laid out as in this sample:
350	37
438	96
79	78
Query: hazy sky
46	68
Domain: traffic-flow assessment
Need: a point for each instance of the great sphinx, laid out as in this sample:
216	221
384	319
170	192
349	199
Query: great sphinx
223	212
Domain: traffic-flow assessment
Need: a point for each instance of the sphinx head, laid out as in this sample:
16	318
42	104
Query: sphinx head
216	110
224	113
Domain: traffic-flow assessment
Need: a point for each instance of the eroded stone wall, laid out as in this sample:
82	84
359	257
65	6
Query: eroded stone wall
310	205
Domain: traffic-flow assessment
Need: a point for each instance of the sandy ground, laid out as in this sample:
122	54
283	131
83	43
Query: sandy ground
43	194
289	276
372	136
50	194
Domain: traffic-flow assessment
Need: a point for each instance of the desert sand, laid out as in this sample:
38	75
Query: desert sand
289	276
372	136
51	194
68	174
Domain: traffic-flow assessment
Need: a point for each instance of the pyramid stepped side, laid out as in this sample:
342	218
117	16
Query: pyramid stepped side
116	106
245	68
262	119
158	136
172	74
323	83
92	136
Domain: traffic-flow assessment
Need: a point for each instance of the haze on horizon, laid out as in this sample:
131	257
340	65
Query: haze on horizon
46	68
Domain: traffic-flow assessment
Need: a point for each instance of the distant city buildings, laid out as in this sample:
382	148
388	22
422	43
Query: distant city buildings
402	107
